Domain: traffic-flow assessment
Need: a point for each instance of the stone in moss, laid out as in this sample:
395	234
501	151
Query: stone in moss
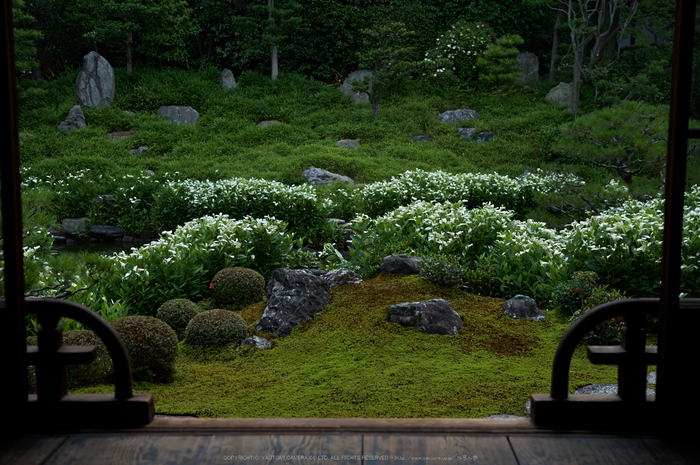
237	287
177	313
215	328
151	344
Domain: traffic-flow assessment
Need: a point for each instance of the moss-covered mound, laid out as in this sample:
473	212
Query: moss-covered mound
177	313
237	287
215	328
152	346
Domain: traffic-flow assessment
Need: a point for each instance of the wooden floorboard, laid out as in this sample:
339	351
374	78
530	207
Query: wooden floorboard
342	441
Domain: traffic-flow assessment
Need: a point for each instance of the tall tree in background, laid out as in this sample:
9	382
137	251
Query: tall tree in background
25	38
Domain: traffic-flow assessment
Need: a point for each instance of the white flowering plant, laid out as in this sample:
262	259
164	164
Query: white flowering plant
462	44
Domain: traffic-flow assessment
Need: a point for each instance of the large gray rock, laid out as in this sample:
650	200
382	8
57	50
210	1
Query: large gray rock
257	342
560	94
95	84
347	89
320	176
453	116
179	114
434	316
72	227
400	264
522	307
74	121
227	79
529	66
292	297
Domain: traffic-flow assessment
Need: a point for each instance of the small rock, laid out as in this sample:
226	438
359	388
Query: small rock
340	277
320	176
347	89
421	139
71	227
527	173
400	264
503	416
140	150
604	389
466	133
529	66
119	135
227	79
348	143
74	121
434	316
453	116
651	378
257	342
560	94
179	114
522	307
264	124
106	232
485	137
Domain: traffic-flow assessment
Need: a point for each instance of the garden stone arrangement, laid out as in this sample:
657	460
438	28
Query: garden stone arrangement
74	121
95	85
434	316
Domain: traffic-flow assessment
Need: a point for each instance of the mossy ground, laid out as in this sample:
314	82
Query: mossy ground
349	361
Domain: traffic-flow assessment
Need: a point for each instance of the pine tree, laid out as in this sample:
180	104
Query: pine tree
499	63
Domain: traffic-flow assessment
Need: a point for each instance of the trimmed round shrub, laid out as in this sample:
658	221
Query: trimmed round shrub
215	328
237	287
151	344
177	313
98	371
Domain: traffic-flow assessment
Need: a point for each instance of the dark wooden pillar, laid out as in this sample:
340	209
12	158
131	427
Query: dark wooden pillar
13	387
676	396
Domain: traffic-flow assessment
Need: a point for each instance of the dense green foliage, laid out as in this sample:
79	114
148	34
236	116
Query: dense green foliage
215	328
177	313
151	344
237	287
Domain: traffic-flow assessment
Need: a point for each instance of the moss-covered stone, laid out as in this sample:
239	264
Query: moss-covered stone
237	287
215	328
152	346
177	313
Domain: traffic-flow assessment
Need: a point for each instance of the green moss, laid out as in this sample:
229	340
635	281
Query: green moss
349	361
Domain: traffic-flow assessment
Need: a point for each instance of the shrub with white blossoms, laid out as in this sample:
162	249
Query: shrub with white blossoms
462	44
182	263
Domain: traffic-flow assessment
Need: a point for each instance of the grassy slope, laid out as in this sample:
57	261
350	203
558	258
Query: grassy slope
349	361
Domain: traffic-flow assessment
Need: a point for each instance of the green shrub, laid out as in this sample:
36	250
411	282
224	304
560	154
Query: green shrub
607	332
215	328
570	296
98	371
177	313
443	270
462	44
151	344
237	287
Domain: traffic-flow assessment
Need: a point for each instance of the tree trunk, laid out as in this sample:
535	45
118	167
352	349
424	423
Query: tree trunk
273	47
129	63
555	43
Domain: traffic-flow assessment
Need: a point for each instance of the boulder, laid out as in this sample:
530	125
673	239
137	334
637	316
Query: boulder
400	264
227	79
179	114
560	94
73	227
292	297
257	342
486	136
421	139
320	176
529	66
106	233
604	389
140	150
466	133
348	143
453	116
434	316
74	121
651	378
347	89
266	123
339	277
95	84
522	307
